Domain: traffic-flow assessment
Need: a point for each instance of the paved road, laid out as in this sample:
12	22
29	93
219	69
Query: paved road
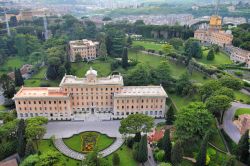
228	124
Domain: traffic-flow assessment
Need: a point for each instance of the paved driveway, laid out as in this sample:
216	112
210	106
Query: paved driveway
65	129
228	124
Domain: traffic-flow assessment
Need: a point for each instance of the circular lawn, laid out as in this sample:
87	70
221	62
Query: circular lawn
87	141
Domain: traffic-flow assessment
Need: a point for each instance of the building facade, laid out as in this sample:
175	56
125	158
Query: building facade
87	49
213	34
90	98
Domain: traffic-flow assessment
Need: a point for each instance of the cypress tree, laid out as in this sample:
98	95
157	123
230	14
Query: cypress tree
202	155
210	55
177	153
242	150
125	57
51	72
143	150
129	41
20	138
137	137
116	159
167	146
170	117
18	77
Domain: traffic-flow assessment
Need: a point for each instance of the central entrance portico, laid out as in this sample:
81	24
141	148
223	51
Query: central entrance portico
91	114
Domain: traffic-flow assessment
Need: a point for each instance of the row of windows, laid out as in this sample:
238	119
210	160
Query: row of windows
91	89
92	103
40	108
92	97
127	101
41	114
132	107
97	109
40	102
146	113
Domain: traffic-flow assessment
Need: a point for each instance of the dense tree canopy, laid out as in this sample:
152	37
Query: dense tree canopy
192	122
136	123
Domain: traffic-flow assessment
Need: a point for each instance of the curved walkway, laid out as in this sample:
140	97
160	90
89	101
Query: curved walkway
228	124
64	149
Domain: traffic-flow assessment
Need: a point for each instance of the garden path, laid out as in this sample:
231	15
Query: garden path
64	149
228	124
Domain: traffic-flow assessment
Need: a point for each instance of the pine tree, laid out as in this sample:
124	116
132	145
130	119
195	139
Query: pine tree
242	150
143	150
20	138
177	153
125	57
116	159
170	116
202	155
210	55
18	77
167	146
129	41
103	49
51	72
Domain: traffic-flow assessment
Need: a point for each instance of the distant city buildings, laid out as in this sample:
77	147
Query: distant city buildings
87	49
170	19
234	20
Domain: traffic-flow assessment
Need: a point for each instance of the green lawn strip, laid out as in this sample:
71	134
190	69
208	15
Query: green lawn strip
10	64
75	142
148	45
46	145
219	58
2	108
103	68
176	69
37	82
241	111
126	156
242	97
182	101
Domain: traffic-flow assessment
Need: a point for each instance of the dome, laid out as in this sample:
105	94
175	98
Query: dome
91	72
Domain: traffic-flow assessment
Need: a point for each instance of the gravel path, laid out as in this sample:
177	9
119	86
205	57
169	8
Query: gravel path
228	124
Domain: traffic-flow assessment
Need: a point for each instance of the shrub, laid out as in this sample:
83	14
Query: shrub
160	156
44	84
130	142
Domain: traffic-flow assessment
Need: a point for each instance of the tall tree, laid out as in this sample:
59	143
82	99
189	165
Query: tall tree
129	41
207	89
210	55
242	150
29	148
170	115
177	153
231	82
188	126
143	150
21	45
167	145
202	155
18	78
218	105
125	63
20	138
8	86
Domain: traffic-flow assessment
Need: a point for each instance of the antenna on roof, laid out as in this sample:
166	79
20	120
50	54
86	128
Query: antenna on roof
217	7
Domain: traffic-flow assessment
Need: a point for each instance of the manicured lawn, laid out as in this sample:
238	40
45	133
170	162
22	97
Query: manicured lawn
125	154
46	145
148	45
220	58
126	157
11	63
241	97
102	67
75	142
176	69
182	101
241	111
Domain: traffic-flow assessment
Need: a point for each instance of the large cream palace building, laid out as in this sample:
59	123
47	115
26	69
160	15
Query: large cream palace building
90	97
